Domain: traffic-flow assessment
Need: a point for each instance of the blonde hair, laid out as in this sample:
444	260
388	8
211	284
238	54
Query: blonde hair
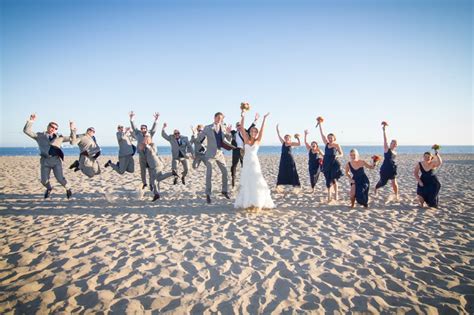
356	153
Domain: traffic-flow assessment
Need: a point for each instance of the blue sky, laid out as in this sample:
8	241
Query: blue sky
354	62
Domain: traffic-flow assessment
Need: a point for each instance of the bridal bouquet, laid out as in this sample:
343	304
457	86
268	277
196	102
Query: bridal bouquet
244	106
320	120
436	147
376	158
297	135
384	123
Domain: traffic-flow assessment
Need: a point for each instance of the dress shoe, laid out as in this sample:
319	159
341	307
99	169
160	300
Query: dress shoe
175	181
47	193
74	165
208	199
226	194
68	193
108	163
183	180
144	186
156	197
233	182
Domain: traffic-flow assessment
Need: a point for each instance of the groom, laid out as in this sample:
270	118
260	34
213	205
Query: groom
218	136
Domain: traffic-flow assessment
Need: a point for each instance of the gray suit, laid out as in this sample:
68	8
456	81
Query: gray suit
179	151
215	154
141	156
199	151
88	147
125	163
48	163
155	165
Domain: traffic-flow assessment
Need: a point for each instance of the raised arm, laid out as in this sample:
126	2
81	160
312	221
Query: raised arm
28	129
278	133
296	144
153	128
385	142
244	134
132	123
262	128
438	160
164	134
69	138
308	146
323	137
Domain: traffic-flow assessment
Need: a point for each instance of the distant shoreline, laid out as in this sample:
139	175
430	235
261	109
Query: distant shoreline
264	150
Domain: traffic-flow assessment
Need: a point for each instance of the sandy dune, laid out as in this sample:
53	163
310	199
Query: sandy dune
110	248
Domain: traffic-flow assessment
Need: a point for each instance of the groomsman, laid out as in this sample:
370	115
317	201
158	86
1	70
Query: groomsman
199	146
49	144
238	143
90	151
126	152
180	147
140	134
155	165
218	136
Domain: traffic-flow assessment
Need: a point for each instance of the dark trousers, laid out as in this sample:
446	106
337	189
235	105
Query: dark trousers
237	156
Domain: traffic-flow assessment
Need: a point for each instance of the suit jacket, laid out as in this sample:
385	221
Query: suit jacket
184	148
199	146
85	143
43	140
152	158
125	144
235	133
138	134
209	134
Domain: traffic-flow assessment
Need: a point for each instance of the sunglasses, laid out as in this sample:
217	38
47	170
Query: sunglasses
177	133
54	127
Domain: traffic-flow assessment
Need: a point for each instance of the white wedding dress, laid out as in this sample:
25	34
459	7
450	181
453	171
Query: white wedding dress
253	189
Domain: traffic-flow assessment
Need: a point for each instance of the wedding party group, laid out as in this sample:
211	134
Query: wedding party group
207	145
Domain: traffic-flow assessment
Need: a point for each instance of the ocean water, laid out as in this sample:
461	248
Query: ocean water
264	150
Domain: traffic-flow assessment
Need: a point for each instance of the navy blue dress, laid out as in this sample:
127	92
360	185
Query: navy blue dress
331	166
388	170
314	166
362	184
431	187
287	173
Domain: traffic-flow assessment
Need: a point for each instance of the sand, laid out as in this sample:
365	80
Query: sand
110	248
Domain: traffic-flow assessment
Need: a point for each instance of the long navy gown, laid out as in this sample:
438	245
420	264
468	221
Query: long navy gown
314	167
431	187
331	166
362	184
287	173
388	170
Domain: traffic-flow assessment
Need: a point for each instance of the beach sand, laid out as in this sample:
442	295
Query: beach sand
110	248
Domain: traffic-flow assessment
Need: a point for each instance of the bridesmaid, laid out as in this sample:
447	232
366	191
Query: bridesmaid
315	159
428	183
388	170
331	165
287	173
359	181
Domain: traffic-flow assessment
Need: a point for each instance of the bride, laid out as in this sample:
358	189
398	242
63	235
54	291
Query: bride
254	193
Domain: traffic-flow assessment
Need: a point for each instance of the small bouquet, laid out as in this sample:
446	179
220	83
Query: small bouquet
320	120
244	106
376	158
297	135
384	123
436	147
